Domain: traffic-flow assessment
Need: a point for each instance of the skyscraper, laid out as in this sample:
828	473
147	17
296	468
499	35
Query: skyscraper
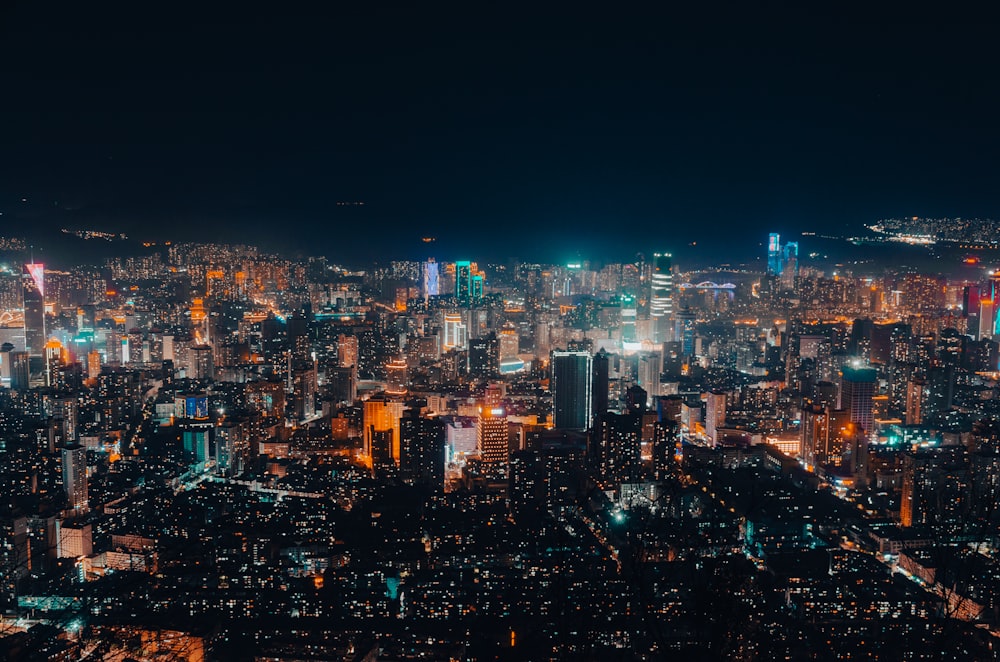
715	414
431	280
74	475
381	433
661	286
34	308
492	436
422	450
790	265
572	382
774	254
463	281
856	396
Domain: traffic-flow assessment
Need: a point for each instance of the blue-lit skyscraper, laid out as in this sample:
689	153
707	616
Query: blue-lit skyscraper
463	281
774	266
432	287
790	265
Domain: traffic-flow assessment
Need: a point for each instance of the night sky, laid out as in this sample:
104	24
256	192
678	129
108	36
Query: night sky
581	132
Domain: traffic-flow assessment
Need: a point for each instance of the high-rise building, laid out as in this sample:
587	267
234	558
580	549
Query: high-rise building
34	308
463	281
432	287
857	396
715	414
397	380
602	383
915	395
661	302
20	370
422	449
347	351
74	475
790	265
620	446
774	264
381	428
492	439
572	389
455	332
484	356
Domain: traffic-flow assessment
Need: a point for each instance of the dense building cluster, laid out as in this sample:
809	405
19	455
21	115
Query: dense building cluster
211	451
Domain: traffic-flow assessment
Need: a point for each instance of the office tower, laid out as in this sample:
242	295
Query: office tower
790	265
971	308
74	475
856	396
484	356
684	330
629	314
492	438
20	370
432	286
661	303
463	281
478	287
381	429
774	254
649	367
601	383
715	414
422	449
34	308
572	380
455	332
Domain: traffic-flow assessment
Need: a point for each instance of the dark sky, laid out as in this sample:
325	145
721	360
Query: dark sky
504	131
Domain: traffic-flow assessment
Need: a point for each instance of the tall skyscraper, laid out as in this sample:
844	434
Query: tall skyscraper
661	286
432	286
74	475
790	265
856	396
34	308
601	383
463	281
774	254
572	389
